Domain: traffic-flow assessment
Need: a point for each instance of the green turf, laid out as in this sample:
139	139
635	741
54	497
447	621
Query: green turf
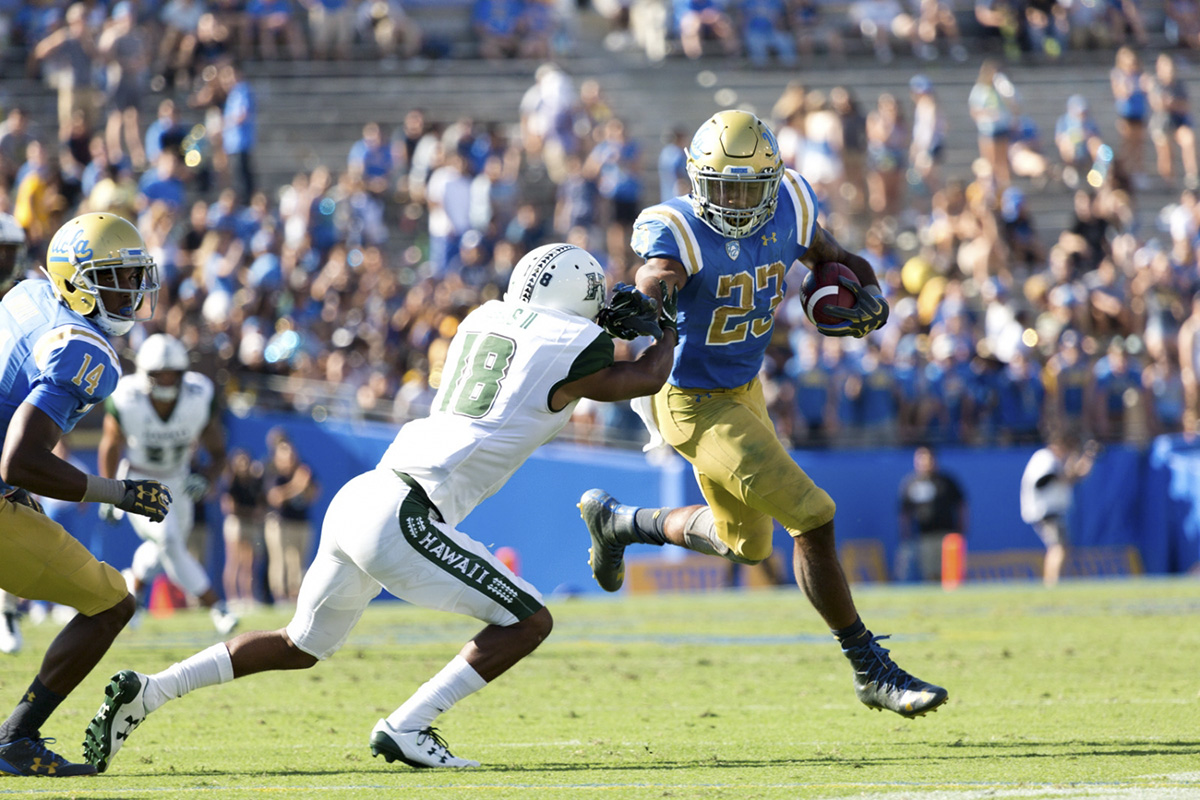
1086	691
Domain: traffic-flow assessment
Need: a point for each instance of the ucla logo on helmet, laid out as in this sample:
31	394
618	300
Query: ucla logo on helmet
769	137
78	246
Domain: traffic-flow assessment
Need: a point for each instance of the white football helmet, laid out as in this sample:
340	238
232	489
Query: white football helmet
560	276
12	245
83	262
161	361
735	168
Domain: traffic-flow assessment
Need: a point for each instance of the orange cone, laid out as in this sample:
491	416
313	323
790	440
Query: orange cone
954	560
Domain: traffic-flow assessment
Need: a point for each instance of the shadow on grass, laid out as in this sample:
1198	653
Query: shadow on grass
958	751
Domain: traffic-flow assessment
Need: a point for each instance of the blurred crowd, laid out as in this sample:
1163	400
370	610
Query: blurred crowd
337	293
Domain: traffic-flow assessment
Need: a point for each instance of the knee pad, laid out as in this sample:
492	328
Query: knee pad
700	535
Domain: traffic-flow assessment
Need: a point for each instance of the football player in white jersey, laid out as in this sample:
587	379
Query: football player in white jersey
56	363
514	372
156	417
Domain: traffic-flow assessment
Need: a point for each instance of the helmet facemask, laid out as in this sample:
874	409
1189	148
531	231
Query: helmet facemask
735	204
101	280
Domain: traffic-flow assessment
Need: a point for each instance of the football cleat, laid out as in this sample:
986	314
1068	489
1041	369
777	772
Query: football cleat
224	621
10	633
423	749
32	757
880	684
603	514
123	709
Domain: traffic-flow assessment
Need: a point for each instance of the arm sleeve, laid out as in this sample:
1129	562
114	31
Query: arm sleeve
596	356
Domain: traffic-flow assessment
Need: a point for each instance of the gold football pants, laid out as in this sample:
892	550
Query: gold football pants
746	475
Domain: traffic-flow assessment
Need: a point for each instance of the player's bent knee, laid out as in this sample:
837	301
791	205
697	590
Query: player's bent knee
538	625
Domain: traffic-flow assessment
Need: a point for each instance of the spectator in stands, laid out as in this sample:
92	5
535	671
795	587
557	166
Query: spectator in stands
672	165
494	194
991	103
166	132
239	132
331	27
810	24
1004	19
1171	122
162	184
67	55
1129	88
1077	138
1068	381
1047	494
764	27
272	20
853	148
615	165
1125	20
385	23
448	196
697	20
15	137
1020	398
933	18
1164	388
1189	363
821	159
177	48
887	156
815	377
496	24
1026	157
928	134
548	112
876	20
127	56
932	504
1182	23
1117	394
371	158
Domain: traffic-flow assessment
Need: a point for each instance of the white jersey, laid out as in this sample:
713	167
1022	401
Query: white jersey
156	447
1054	494
493	407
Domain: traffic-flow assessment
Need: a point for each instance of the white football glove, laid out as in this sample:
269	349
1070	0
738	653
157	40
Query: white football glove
196	487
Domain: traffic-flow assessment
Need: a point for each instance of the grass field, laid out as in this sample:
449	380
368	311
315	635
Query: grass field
1090	690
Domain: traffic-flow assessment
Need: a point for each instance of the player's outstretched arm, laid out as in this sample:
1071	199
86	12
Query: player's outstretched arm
825	248
658	273
625	379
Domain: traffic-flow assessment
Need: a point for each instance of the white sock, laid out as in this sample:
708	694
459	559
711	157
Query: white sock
206	668
456	680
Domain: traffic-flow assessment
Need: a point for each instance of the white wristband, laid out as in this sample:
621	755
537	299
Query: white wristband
104	490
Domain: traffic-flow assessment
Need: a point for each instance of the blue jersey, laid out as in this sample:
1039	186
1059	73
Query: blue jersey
51	357
727	306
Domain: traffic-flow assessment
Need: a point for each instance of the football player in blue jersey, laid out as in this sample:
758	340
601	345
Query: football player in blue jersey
55	364
727	248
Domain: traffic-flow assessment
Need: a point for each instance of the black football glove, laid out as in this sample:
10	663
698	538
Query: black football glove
869	312
630	314
670	308
146	498
24	498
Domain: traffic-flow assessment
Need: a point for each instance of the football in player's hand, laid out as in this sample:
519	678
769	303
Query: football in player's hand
821	289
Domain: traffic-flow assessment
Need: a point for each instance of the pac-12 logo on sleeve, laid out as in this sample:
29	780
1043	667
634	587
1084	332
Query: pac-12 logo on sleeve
78	246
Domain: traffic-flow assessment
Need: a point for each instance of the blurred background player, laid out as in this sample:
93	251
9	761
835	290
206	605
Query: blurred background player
932	504
516	368
156	417
56	363
1048	492
727	247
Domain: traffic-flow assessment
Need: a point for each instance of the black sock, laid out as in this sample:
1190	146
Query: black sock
648	525
853	636
36	706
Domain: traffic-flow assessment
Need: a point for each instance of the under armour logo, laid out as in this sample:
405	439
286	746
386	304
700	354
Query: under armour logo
46	769
768	238
29	698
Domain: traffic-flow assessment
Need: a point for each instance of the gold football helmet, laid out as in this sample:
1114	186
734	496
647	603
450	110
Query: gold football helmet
735	169
100	268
